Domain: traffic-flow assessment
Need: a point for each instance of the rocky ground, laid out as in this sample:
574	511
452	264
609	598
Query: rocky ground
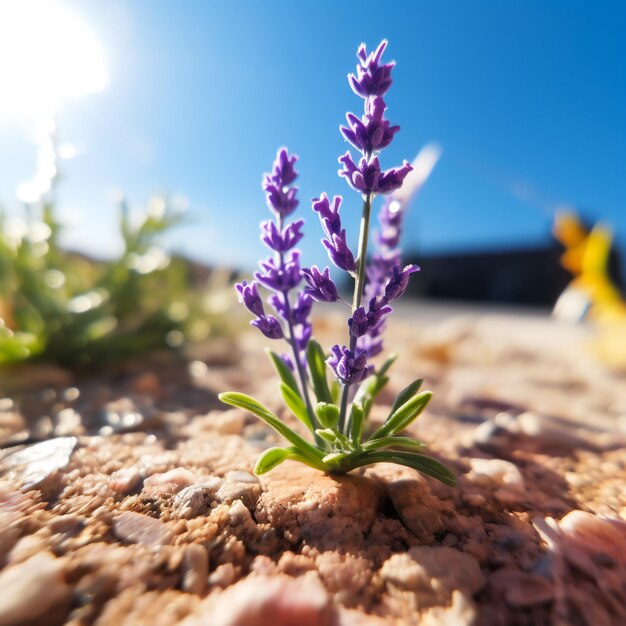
127	497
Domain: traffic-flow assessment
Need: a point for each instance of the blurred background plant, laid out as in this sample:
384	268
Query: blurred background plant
67	308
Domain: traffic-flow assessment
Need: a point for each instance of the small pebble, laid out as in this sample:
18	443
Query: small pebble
34	465
31	589
171	482
195	569
503	472
138	528
125	480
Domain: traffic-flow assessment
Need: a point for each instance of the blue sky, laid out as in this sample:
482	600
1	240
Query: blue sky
527	99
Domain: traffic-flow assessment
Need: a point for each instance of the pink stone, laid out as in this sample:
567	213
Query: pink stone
264	600
169	482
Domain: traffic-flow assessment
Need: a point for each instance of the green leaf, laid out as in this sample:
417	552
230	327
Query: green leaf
387	364
334	458
327	434
335	391
356	423
284	372
317	368
296	405
420	462
242	401
407	393
396	442
372	386
269	459
328	414
399	419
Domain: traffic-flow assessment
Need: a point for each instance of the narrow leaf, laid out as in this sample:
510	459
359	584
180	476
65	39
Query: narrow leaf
270	458
371	387
420	462
407	393
335	458
407	443
284	372
242	401
399	419
296	405
317	368
275	456
387	364
356	423
327	434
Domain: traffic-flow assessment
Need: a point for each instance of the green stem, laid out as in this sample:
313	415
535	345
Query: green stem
359	283
291	339
362	251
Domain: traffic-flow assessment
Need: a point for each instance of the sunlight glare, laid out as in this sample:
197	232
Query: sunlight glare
47	56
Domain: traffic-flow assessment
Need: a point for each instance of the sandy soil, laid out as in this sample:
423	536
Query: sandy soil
127	497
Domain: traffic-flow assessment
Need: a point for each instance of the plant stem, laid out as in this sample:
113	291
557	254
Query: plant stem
291	339
362	258
301	374
359	283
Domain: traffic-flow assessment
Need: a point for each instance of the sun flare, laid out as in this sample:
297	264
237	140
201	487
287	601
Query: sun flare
47	56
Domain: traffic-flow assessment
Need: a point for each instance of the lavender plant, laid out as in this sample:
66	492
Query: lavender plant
336	413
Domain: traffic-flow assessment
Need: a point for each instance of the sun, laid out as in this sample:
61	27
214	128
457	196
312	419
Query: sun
47	56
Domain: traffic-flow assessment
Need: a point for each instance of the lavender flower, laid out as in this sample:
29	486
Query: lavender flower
373	132
348	367
320	285
398	282
281	199
358	323
337	422
372	78
368	178
280	274
335	242
281	240
267	324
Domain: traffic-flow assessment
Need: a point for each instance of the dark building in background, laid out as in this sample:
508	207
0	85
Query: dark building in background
527	276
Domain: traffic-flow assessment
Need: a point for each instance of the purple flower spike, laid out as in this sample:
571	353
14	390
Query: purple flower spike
320	285
269	326
373	132
368	178
280	200
329	215
358	323
392	179
302	335
250	297
390	219
347	367
302	308
284	172
339	252
372	78
398	282
279	241
278	276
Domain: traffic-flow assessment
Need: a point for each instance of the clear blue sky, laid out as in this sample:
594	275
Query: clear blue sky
527	95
